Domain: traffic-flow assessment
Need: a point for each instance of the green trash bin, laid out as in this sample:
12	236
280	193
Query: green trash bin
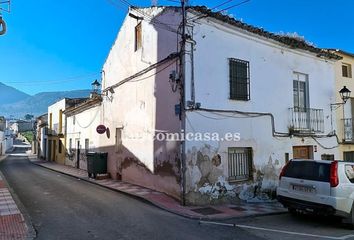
96	163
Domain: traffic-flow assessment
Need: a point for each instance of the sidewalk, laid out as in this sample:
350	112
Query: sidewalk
12	222
167	203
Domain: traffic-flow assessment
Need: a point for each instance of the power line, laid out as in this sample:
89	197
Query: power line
55	81
147	17
138	80
203	15
236	5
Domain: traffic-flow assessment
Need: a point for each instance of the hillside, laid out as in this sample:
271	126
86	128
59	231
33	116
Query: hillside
10	95
37	104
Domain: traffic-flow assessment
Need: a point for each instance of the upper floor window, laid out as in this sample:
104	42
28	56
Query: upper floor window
300	92
239	79
50	121
138	36
60	121
346	70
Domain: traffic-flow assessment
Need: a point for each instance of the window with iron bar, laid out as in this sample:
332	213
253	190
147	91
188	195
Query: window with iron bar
239	79
240	163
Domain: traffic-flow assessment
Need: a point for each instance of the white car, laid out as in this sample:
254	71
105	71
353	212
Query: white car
319	187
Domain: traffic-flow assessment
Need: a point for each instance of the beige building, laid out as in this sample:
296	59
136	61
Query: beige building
344	112
56	149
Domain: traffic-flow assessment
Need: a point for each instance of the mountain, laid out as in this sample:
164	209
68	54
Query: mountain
37	104
10	95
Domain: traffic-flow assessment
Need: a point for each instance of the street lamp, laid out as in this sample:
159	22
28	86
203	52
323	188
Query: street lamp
344	94
95	87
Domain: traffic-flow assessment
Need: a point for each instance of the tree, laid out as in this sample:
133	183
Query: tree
29	117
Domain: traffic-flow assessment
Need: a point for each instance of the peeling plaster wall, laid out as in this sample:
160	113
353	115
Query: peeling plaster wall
141	108
271	90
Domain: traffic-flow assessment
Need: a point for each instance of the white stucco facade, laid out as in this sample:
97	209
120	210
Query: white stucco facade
272	69
6	141
136	110
81	134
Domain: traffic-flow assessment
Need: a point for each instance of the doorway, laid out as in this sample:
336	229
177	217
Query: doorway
303	152
77	153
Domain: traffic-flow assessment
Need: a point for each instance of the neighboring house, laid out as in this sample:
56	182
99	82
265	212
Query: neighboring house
19	126
345	114
56	129
81	136
41	136
272	93
6	141
2	123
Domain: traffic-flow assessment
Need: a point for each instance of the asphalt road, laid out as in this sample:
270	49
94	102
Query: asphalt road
286	227
62	207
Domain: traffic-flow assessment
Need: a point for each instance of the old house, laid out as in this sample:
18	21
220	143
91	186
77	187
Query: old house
41	136
344	112
207	111
6	138
215	114
81	136
56	129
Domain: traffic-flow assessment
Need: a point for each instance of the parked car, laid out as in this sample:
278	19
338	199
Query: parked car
318	187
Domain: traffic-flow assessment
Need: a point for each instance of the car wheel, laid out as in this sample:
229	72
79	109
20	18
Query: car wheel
349	221
293	211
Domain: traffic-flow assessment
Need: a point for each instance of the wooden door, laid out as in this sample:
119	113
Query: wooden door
302	152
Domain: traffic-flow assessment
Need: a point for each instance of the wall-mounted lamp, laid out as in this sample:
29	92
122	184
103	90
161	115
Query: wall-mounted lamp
95	87
344	95
111	90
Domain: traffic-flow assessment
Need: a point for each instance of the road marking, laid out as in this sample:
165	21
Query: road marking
276	230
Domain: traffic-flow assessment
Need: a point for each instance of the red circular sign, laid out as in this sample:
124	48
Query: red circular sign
101	129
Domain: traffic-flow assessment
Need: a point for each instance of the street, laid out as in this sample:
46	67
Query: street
61	207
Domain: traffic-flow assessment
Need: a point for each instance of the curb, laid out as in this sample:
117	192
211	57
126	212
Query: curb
158	205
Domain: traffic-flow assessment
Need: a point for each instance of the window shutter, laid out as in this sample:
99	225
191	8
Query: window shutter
239	79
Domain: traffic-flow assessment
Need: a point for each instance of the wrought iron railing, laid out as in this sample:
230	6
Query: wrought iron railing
306	120
348	125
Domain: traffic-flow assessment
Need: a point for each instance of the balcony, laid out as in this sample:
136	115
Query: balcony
348	130
306	120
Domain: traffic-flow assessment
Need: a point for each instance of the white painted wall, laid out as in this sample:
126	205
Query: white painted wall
138	107
271	70
6	142
54	110
79	127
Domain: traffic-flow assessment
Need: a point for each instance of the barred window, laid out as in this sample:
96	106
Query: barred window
239	79
240	163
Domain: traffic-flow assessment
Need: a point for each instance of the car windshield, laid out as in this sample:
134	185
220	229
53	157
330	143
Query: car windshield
309	170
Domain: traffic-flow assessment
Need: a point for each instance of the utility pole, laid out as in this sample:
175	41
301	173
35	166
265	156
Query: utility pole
182	101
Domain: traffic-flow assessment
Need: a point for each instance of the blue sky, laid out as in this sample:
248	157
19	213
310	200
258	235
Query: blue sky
62	45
